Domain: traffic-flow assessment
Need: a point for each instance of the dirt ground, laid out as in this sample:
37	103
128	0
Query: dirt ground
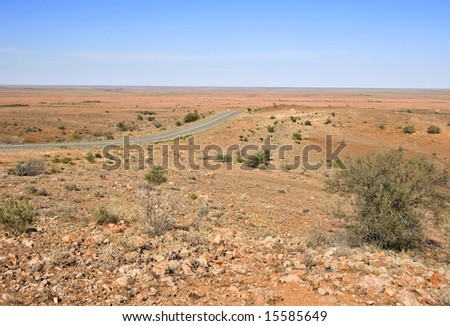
240	237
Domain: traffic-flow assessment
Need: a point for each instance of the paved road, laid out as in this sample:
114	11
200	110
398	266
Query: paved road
167	135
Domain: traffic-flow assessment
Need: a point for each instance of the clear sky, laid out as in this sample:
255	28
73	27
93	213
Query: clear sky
400	44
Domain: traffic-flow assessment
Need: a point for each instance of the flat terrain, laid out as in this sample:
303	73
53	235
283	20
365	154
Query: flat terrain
249	237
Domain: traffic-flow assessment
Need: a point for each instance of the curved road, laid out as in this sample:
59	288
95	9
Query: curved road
164	136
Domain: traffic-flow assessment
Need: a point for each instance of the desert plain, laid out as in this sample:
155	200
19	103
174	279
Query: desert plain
235	236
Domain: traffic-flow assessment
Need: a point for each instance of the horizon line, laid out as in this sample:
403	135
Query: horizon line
223	87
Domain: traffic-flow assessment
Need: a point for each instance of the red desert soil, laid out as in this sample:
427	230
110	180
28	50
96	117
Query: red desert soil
241	237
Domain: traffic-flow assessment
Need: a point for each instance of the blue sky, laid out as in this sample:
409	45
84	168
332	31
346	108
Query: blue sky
385	44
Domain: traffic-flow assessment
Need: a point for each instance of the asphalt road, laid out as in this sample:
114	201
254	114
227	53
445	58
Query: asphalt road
194	128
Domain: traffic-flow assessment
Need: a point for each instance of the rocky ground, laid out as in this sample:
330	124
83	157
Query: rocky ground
235	237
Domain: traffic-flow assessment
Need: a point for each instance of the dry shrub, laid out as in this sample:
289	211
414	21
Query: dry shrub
30	168
157	208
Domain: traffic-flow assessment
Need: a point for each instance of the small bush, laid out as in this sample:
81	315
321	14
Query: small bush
157	124
193	196
327	121
108	135
16	216
297	137
293	119
122	126
227	158
156	175
71	186
90	157
433	129
104	216
272	117
392	196
409	130
308	123
191	117
178	124
30	168
258	160
157	210
382	125
64	160
139	117
271	128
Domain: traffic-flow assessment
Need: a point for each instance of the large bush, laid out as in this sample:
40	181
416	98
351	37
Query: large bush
392	195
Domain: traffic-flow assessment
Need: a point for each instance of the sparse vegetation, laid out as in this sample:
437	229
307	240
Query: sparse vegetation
64	160
108	135
70	186
328	121
297	137
139	117
382	125
271	128
191	117
156	175
30	168
258	160
16	216
157	210
392	195
90	157
409	130
103	216
308	123
433	129
122	126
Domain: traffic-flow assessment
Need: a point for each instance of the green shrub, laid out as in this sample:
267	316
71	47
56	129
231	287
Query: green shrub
104	216
63	160
157	124
433	129
178	124
30	168
258	160
108	135
272	117
409	130
156	175
271	128
90	157
382	125
297	137
150	118
16	216
327	121
392	196
193	196
293	119
308	123
191	117
122	126
139	117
